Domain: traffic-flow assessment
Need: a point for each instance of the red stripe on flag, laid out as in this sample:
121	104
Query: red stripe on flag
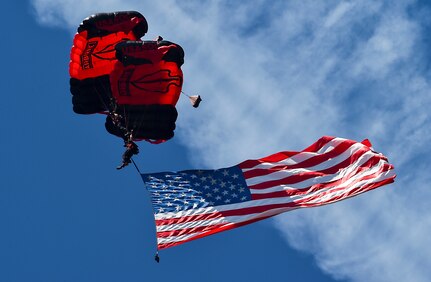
287	154
315	187
313	161
213	231
311	174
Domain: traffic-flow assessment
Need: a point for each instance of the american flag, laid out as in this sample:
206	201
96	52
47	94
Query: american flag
192	204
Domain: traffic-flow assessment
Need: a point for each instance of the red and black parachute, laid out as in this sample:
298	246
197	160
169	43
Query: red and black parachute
135	83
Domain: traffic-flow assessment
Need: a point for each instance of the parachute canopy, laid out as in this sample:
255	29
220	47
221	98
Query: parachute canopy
135	83
93	52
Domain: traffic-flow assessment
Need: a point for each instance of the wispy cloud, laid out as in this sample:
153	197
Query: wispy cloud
277	76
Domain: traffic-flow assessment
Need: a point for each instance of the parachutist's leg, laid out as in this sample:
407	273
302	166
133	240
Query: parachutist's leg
126	157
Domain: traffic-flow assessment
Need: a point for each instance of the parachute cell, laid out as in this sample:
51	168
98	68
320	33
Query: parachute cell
93	52
147	73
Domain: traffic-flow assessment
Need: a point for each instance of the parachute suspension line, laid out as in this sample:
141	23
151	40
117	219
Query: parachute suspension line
112	107
129	132
137	124
100	95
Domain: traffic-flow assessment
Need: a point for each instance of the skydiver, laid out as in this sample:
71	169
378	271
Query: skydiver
131	149
116	119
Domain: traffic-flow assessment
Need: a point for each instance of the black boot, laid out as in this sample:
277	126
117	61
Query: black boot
121	166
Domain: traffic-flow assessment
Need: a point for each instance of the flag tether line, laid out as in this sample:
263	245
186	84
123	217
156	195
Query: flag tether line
156	256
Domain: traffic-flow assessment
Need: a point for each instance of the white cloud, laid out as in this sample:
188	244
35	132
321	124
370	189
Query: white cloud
278	76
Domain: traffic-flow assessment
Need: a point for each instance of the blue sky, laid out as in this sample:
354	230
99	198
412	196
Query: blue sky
273	76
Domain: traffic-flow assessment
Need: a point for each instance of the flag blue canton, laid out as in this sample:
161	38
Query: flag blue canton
193	189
